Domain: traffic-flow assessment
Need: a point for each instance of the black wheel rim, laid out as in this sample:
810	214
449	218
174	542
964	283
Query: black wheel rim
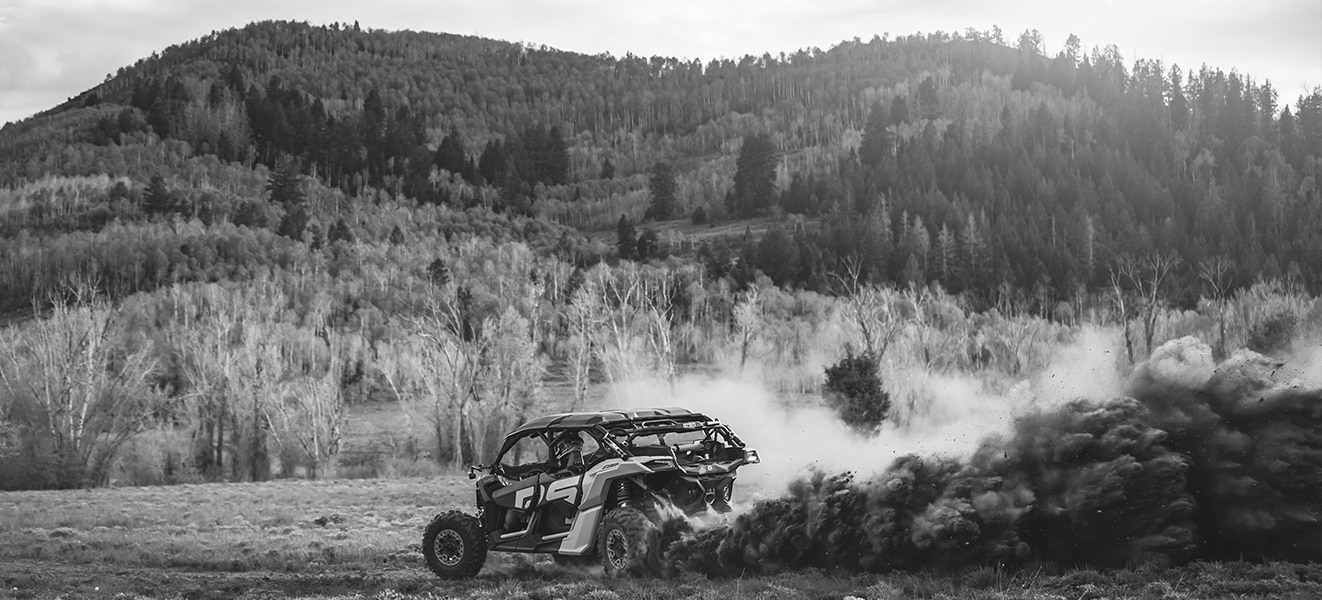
617	549
449	547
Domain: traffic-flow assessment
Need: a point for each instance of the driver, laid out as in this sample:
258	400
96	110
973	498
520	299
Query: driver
567	453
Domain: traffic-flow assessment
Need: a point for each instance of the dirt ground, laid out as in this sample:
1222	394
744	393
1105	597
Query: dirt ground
39	579
359	539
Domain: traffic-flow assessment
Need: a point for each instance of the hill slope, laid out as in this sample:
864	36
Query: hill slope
283	219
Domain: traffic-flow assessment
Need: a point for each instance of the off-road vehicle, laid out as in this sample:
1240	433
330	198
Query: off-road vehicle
585	484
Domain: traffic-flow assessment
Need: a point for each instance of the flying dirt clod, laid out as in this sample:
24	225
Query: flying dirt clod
1199	460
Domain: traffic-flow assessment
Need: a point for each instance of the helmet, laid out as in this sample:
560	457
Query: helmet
566	443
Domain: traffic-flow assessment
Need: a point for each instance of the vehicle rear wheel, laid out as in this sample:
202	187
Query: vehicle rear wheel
624	541
454	545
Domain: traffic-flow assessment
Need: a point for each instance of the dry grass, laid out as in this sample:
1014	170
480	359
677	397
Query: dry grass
358	539
280	526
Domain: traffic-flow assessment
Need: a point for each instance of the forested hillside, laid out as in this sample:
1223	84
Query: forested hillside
206	260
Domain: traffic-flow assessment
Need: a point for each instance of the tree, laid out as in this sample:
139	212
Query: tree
748	323
584	316
1147	275
778	257
438	272
313	412
661	184
1030	43
515	194
626	240
159	199
555	161
294	222
1215	273
252	214
341	232
607	169
876	145
77	391
648	245
453	157
899	111
853	389
755	176
928	102
284	184
493	163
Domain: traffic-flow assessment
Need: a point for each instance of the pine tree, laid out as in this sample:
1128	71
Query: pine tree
438	272
315	238
662	187
283	185
453	157
853	388
294	222
876	144
159	199
493	163
340	232
648	245
755	176
626	241
555	162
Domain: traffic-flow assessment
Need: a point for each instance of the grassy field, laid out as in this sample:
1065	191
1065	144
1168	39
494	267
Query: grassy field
358	539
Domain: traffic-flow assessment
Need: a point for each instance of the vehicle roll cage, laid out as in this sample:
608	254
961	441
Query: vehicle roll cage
609	435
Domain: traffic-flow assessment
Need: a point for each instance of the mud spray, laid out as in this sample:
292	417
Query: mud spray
1180	459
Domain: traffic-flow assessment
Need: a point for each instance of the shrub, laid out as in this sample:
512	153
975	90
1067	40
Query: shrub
853	389
1274	333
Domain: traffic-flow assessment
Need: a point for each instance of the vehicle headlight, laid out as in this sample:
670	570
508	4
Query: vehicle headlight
751	457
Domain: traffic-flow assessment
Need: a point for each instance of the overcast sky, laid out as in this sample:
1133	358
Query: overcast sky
53	49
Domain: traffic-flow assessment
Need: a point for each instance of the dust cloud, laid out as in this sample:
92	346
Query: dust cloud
1080	464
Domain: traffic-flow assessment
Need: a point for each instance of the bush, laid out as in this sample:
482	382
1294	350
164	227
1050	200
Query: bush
1274	333
853	389
159	457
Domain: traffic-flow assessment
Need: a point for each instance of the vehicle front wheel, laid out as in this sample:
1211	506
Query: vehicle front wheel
624	541
454	545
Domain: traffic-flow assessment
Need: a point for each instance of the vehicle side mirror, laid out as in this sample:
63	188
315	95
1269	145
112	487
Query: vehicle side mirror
473	469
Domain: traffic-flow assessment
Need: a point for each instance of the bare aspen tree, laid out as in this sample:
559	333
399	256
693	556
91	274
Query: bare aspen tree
869	308
747	316
615	341
9	438
659	307
877	319
509	379
1122	307
398	362
85	393
584	315
312	410
203	346
1215	272
451	353
232	359
254	372
1147	275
